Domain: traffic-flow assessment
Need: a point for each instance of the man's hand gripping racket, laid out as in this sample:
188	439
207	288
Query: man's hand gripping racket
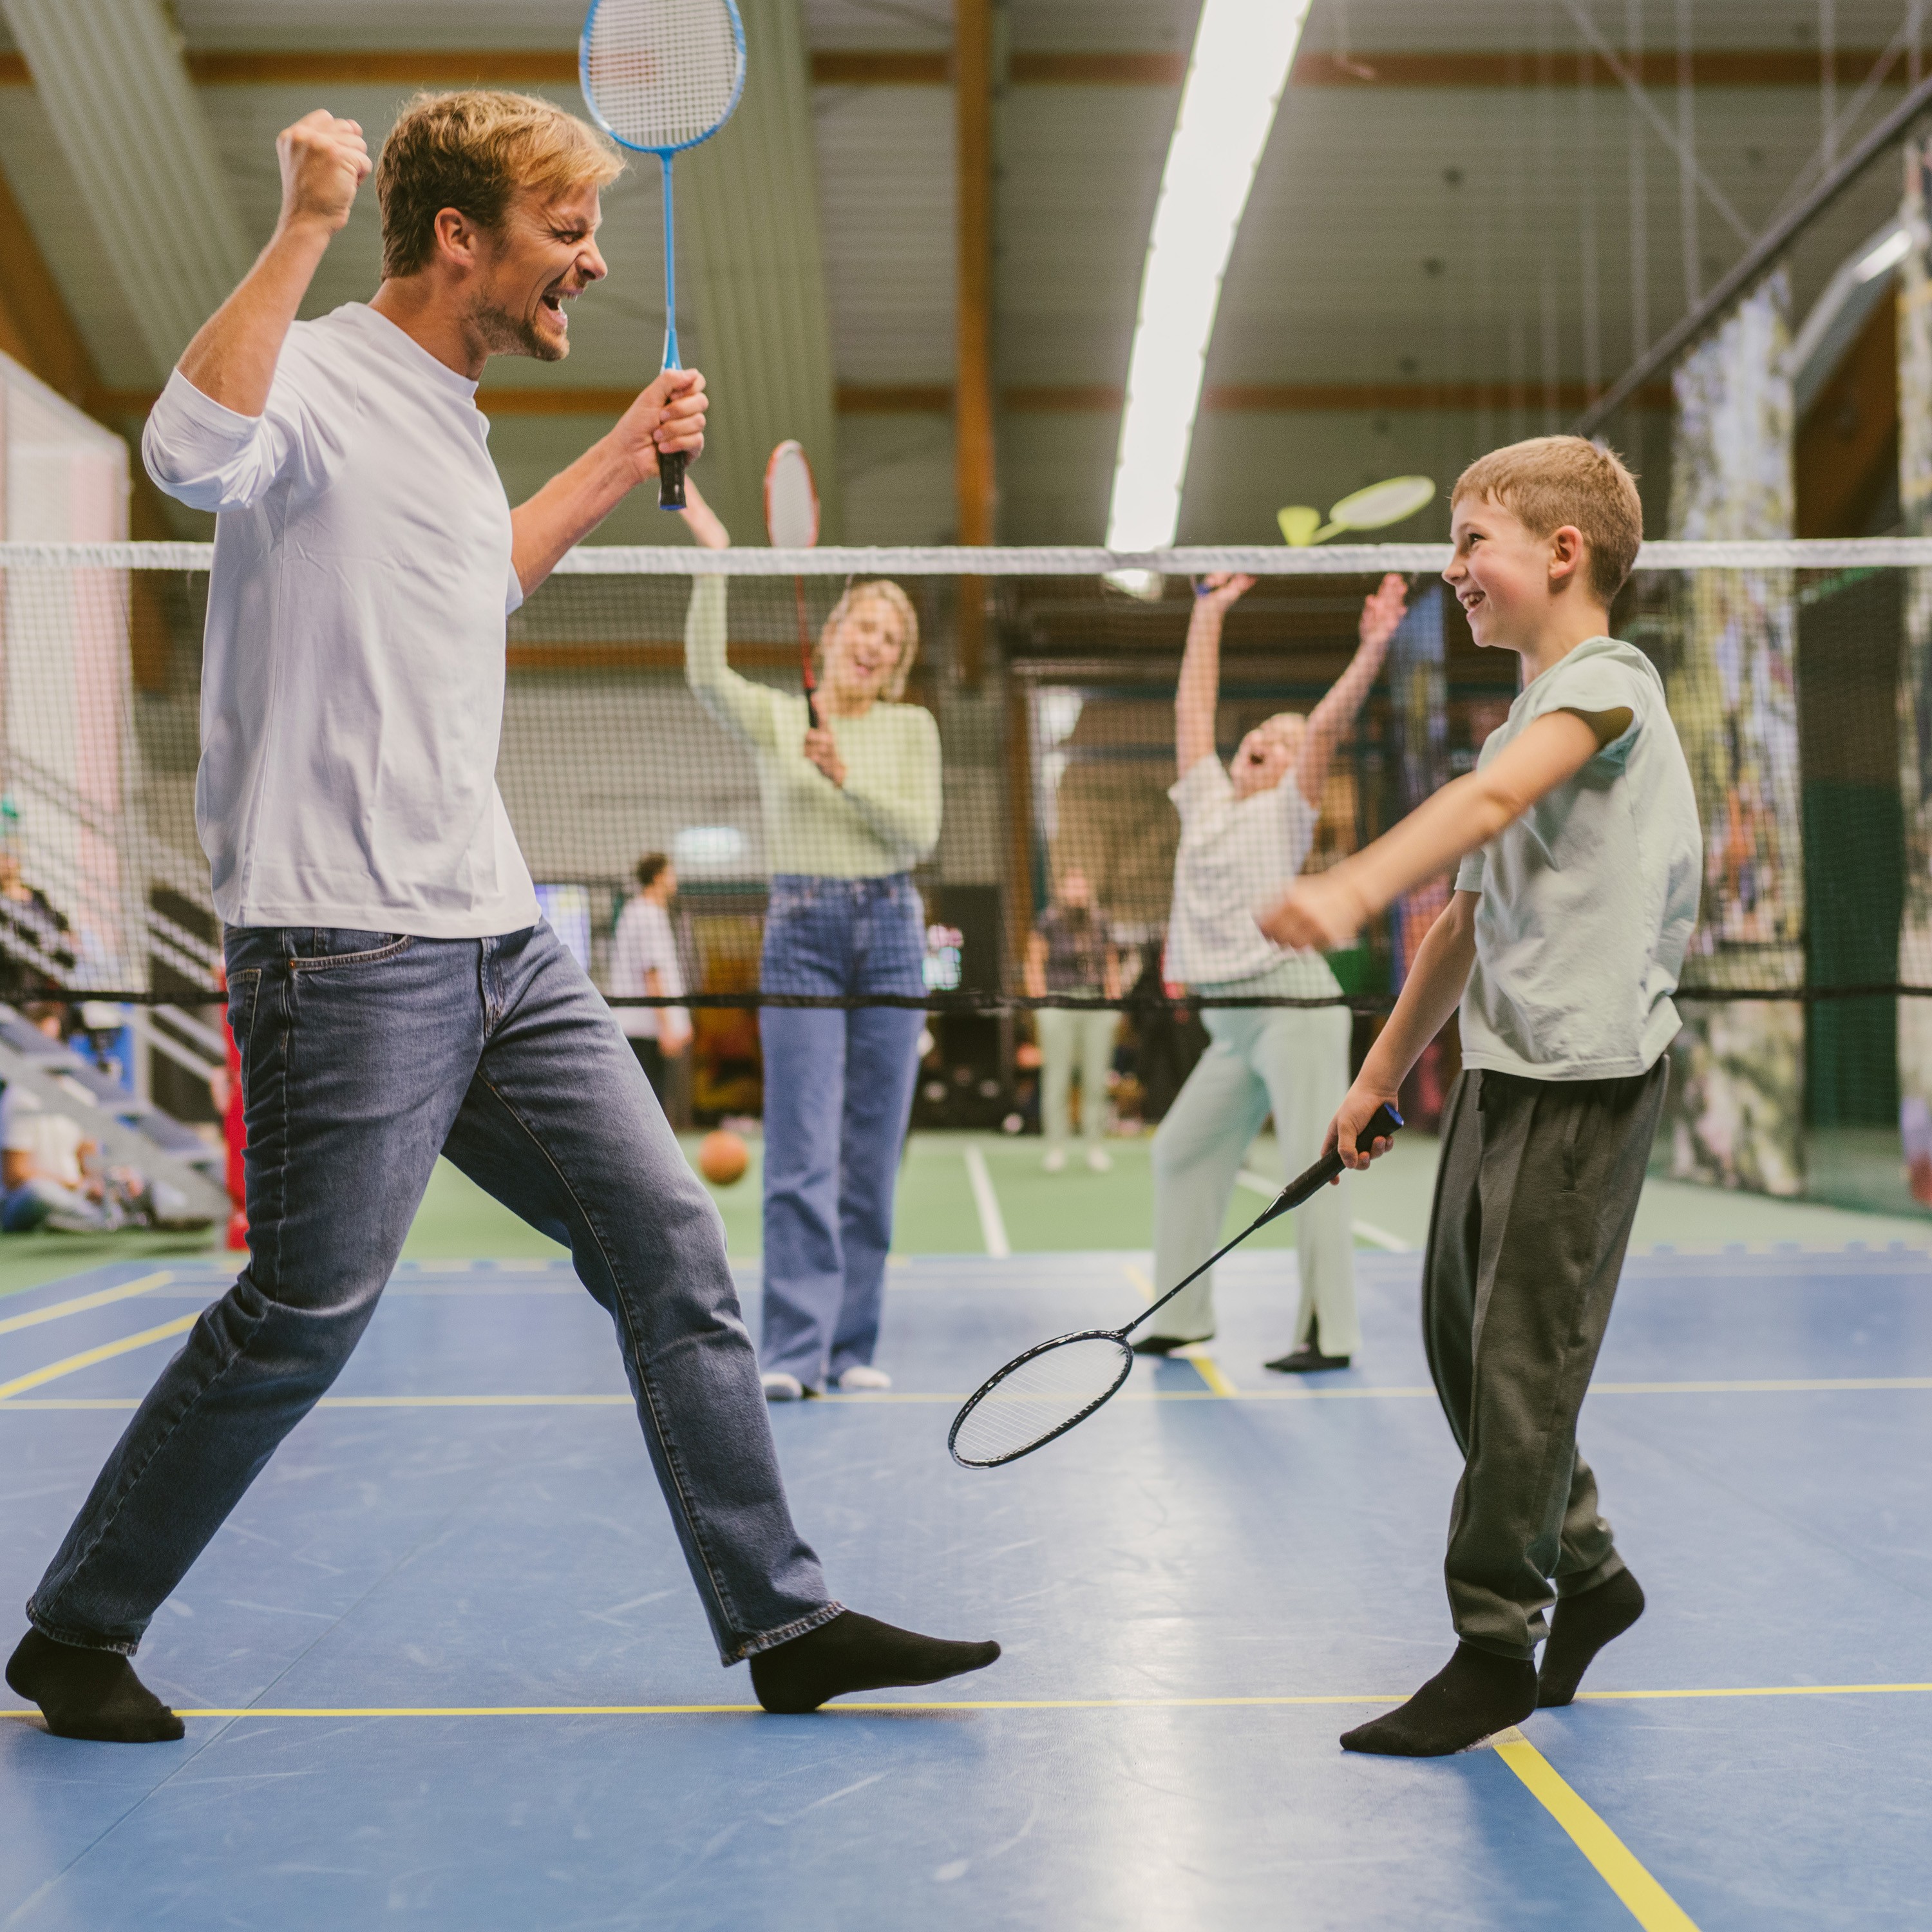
1044	1393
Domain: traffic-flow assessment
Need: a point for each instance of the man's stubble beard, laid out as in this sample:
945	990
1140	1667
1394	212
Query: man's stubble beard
502	333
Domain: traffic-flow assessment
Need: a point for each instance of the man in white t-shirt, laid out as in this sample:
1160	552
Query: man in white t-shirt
1244	834
643	965
392	989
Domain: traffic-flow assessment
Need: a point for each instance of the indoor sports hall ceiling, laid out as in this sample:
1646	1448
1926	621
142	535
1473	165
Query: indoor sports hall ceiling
1458	229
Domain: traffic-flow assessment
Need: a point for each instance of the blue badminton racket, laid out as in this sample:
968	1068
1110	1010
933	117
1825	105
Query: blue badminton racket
659	76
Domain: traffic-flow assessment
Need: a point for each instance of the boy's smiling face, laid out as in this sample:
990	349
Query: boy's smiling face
1504	576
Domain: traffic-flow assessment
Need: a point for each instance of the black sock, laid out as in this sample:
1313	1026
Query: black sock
1581	1626
856	1653
89	1693
1475	1693
1163	1345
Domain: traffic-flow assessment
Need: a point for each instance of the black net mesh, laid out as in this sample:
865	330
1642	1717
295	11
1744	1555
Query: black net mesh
1800	694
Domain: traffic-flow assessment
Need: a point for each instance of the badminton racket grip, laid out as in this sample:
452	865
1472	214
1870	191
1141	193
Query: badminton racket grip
670	479
1380	1125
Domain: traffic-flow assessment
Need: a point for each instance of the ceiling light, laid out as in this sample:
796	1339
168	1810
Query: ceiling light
1242	51
1889	253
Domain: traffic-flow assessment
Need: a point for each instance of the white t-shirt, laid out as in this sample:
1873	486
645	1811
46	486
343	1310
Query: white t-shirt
1589	899
53	1141
644	941
1235	855
351	695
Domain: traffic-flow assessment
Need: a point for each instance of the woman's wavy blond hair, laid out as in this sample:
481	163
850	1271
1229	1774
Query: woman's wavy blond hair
901	605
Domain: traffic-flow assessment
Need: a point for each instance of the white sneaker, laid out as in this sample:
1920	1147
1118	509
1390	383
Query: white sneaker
1056	1160
782	1388
862	1376
1100	1160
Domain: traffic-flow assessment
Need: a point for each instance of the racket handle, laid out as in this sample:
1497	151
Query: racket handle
1380	1125
670	479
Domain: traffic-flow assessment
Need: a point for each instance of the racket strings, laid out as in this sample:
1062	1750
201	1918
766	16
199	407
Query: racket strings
1039	1396
664	76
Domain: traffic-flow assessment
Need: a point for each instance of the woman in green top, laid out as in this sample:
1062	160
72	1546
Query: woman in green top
851	805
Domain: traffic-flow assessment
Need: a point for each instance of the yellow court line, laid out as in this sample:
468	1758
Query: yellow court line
1763	1690
1794	1386
487	1401
1223	1390
100	1299
975	1704
105	1353
1650	1905
1210	1373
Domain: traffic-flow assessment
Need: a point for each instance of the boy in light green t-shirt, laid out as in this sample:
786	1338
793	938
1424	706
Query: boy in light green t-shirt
1576	889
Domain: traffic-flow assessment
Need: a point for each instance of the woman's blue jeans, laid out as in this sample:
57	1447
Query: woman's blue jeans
838	1095
364	1056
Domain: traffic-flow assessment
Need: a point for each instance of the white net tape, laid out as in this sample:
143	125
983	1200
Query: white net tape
662	74
958	560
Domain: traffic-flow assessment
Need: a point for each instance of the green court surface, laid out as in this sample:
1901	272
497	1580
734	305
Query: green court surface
27	1261
940	1211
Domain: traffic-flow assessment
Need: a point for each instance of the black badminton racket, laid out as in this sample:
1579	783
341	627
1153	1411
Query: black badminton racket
1044	1393
659	76
791	522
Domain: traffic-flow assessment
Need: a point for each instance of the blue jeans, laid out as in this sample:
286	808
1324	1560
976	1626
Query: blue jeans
838	1095
364	1056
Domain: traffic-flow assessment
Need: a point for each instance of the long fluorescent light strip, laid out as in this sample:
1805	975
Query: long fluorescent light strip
1242	51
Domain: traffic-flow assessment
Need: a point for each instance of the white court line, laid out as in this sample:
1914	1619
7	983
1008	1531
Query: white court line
1376	1237
992	1224
1381	1237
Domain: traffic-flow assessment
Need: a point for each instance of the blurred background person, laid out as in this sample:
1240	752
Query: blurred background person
1242	826
644	964
1068	951
851	805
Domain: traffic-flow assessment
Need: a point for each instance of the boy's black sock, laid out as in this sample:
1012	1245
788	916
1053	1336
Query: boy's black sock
856	1653
1580	1627
1475	1693
89	1693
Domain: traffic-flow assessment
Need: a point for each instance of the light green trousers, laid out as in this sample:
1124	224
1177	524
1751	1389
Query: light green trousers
1292	1062
1068	1037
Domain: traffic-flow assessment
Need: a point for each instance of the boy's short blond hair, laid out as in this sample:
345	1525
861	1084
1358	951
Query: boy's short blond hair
473	151
1551	481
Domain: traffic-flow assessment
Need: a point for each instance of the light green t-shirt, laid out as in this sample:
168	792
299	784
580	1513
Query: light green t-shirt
886	818
1589	897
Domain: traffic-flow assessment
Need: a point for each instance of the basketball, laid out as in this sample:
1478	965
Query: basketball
723	1157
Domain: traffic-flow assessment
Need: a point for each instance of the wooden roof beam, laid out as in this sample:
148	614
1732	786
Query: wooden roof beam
843	67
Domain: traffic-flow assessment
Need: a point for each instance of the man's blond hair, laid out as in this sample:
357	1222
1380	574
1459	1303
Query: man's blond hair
1551	481
473	151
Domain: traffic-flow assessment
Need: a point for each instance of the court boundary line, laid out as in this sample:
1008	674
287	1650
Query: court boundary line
1616	1865
34	1378
99	1298
986	1204
1303	1701
1218	1387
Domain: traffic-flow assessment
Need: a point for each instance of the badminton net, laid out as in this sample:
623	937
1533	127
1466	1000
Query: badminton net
1799	676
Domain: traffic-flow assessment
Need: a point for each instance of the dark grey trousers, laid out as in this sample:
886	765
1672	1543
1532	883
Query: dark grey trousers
1534	1198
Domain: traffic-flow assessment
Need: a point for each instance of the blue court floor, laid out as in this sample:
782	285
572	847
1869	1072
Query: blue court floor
444	1665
